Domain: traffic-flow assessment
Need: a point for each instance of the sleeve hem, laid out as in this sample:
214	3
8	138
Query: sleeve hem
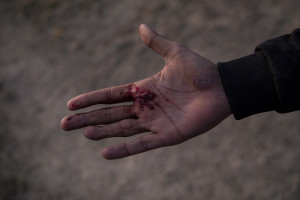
248	85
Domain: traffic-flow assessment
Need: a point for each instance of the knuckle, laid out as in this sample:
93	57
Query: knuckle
139	125
88	98
128	109
109	94
83	118
108	114
151	41
143	144
122	128
179	48
175	49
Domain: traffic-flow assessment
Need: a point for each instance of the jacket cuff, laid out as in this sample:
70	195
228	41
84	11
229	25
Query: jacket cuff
248	85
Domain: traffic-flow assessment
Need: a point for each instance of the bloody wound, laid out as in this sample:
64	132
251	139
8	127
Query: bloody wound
143	97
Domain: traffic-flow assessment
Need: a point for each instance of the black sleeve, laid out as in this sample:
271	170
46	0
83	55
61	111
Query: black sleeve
267	80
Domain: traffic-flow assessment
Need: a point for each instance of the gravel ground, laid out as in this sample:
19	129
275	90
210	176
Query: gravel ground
52	50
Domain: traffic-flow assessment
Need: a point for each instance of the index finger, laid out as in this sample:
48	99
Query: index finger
109	95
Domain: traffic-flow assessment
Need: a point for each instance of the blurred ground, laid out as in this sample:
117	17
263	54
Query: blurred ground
52	50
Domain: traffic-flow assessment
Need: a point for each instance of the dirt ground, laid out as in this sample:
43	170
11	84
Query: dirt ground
52	50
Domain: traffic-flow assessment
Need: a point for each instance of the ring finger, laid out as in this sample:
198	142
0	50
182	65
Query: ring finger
123	128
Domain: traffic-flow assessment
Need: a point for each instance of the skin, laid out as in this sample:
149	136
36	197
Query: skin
186	99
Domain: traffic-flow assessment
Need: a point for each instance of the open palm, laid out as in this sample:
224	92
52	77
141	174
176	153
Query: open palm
183	100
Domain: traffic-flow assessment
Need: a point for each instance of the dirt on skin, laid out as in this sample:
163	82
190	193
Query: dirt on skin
52	50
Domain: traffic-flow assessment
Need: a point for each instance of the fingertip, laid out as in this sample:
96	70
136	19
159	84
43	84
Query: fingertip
146	34
115	152
155	41
92	133
74	104
63	123
69	105
105	154
87	132
141	30
143	27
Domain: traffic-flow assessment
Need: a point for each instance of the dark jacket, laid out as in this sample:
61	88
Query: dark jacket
267	80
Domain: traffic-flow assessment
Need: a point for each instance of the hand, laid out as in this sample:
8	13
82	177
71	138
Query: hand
185	99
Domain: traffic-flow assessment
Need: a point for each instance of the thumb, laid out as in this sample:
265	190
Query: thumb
155	41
